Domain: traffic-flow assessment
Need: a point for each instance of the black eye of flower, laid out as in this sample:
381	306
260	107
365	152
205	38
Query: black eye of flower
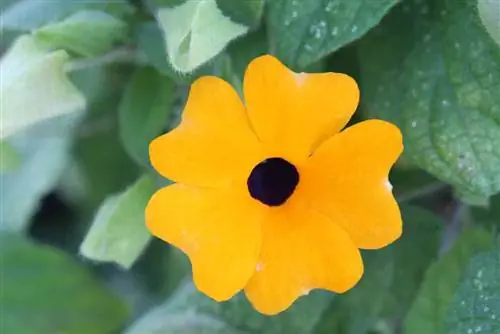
273	181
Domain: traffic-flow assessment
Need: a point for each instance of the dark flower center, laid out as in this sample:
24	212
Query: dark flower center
273	181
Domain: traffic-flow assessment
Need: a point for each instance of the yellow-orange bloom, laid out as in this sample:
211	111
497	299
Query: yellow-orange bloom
270	196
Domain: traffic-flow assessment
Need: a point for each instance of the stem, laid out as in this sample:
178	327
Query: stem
421	192
454	226
121	55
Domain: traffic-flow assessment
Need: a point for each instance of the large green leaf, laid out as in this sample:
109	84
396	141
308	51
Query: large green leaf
45	291
26	15
118	233
427	314
34	86
391	280
87	33
190	312
476	305
144	112
303	32
437	77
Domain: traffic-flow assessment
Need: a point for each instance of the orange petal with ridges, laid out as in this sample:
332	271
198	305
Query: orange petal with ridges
296	111
219	229
347	179
301	250
214	143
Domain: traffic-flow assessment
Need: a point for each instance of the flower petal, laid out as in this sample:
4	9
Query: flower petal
301	250
218	229
296	111
347	179
214	143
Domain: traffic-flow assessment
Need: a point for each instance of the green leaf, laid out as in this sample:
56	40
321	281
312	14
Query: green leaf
471	199
93	81
168	3
437	78
195	32
476	305
489	12
303	32
26	15
490	214
190	312
151	46
118	233
9	158
246	12
181	324
34	86
72	187
392	277
427	314
45	291
87	33
107	168
144	112
44	153
105	165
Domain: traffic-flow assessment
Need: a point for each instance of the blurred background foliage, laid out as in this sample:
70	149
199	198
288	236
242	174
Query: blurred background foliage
86	85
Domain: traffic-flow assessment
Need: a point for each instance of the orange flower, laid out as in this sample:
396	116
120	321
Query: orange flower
270	196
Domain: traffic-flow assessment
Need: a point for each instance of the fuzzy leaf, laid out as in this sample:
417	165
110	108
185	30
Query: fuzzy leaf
87	33
34	86
44	154
195	32
26	15
118	233
151	46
